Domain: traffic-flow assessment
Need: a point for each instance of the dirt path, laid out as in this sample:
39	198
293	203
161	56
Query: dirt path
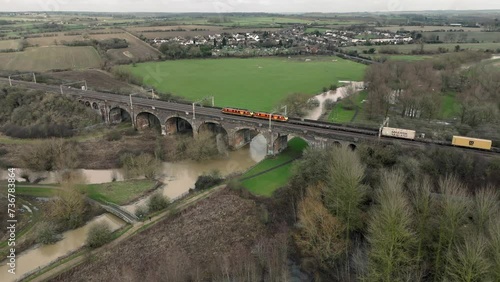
131	232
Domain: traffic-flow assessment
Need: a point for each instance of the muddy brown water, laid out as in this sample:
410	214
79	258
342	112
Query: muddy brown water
179	178
42	255
334	95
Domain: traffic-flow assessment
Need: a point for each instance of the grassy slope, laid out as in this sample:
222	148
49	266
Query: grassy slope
449	106
47	58
118	192
36	191
339	114
267	183
256	84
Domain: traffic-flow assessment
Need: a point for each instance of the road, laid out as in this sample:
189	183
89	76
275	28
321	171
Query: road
318	128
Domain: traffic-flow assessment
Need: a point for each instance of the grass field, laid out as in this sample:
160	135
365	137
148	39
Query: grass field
48	58
267	183
255	84
137	48
406	58
407	48
118	193
453	37
395	28
341	115
9	44
188	32
32	191
449	106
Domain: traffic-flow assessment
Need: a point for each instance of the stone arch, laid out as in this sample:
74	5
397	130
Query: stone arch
215	128
309	142
243	136
337	144
95	106
146	119
81	102
118	115
352	147
177	124
87	104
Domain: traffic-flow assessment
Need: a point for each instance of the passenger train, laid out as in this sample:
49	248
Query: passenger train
398	133
247	113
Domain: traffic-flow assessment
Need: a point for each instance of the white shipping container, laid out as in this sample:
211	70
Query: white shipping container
399	133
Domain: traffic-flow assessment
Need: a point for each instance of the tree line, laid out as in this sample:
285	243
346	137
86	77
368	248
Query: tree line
384	216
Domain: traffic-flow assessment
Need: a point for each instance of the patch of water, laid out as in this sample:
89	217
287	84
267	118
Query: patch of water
334	95
179	177
42	255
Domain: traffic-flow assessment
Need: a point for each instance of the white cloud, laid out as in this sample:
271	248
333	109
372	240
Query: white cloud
243	5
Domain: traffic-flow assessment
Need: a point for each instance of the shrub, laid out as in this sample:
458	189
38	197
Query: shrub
157	202
333	87
47	233
113	136
141	211
142	165
207	181
99	234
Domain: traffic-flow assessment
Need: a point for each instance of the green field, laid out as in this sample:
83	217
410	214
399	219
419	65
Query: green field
407	48
48	58
341	115
255	84
265	184
36	191
118	193
449	106
406	58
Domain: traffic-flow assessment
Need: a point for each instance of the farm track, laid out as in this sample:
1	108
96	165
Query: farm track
307	126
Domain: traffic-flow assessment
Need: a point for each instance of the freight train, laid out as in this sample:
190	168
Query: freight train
459	141
399	133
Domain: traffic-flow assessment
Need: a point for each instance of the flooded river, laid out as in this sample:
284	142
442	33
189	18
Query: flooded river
179	177
334	95
41	256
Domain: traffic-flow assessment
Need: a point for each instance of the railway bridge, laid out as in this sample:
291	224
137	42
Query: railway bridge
177	118
235	131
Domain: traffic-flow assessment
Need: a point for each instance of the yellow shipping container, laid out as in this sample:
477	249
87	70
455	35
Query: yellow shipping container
471	142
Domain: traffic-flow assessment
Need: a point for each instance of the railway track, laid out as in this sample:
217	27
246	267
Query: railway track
319	127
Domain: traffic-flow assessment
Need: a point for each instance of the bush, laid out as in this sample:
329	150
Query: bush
333	87
157	202
47	233
142	165
113	136
99	234
141	211
207	181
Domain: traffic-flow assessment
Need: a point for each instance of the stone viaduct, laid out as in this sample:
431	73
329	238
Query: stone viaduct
235	132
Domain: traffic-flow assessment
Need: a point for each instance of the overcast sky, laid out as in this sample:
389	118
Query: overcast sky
274	6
